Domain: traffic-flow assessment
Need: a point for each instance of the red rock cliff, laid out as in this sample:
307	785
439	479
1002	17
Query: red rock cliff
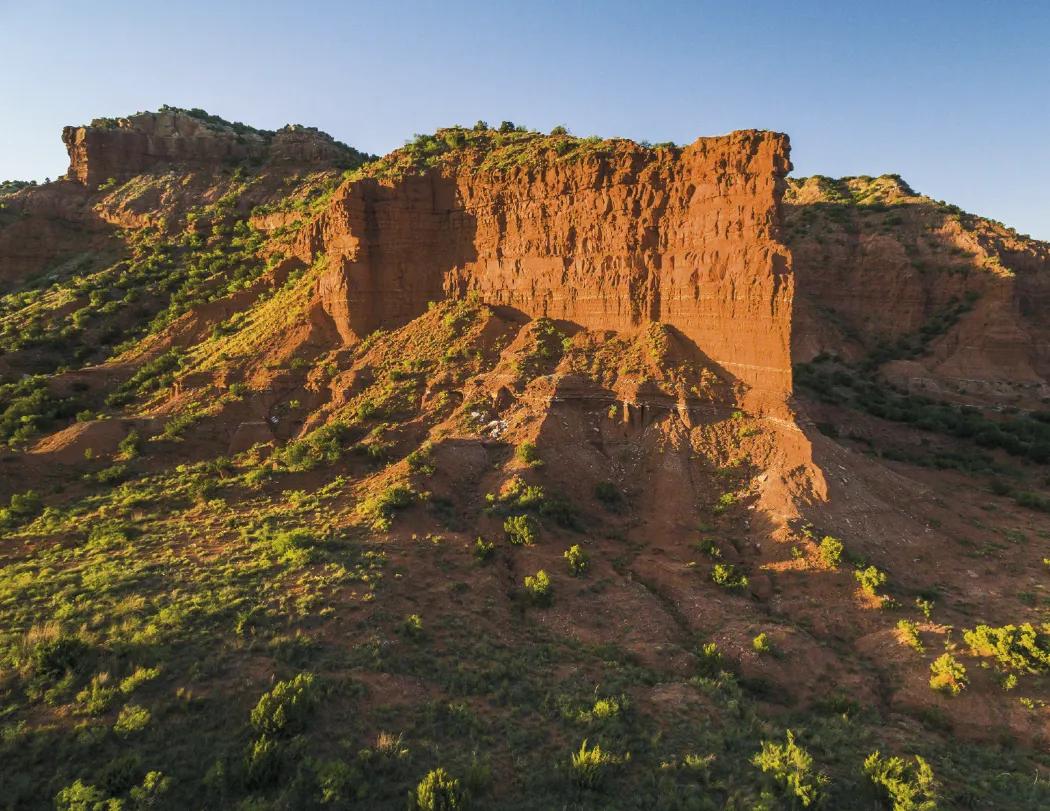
688	237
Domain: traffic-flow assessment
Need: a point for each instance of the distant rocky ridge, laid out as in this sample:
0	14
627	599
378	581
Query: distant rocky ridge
123	147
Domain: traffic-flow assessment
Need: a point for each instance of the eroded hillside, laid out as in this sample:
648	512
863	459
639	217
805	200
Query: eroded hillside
334	480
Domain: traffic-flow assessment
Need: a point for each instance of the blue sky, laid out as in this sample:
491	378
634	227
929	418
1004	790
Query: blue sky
954	96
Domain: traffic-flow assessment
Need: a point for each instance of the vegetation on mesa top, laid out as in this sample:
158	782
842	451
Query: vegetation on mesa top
494	149
214	122
838	197
9	187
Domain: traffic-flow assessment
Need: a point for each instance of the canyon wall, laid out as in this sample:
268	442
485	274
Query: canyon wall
689	237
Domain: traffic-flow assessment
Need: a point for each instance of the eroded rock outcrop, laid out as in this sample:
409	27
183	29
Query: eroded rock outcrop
123	147
879	266
612	240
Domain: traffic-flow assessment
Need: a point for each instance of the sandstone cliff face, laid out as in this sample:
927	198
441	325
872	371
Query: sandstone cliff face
688	237
125	147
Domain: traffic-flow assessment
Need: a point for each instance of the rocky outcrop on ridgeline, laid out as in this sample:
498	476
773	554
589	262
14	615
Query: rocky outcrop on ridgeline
120	148
612	238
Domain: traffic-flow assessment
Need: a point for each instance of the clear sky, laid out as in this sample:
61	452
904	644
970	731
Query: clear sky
954	96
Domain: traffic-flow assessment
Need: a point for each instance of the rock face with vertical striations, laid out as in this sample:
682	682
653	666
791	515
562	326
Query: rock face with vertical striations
614	240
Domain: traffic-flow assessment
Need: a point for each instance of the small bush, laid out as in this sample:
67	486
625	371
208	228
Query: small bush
132	718
285	708
727	576
947	675
1020	648
412	626
521	529
483	550
438	791
292	546
380	508
147	795
577	560
908	787
323	446
538	587
908	633
870	580
421	461
708	546
263	762
761	643
52	656
96	698
725	501
831	551
527	454
709	660
590	767
21	508
80	796
609	495
791	767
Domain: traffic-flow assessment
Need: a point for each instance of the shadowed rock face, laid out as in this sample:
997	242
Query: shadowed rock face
876	263
688	237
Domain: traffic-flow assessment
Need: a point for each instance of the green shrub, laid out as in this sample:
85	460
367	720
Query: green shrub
870	580
284	709
791	767
295	547
727	576
761	643
831	551
130	445
379	509
527	454
421	460
412	626
590	767
708	546
438	791
97	697
82	797
908	787
324	445
538	588
147	795
1020	648
483	550
521	530
725	501
131	719
263	762
53	657
177	425
709	660
947	675
908	633
21	508
577	560
610	496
